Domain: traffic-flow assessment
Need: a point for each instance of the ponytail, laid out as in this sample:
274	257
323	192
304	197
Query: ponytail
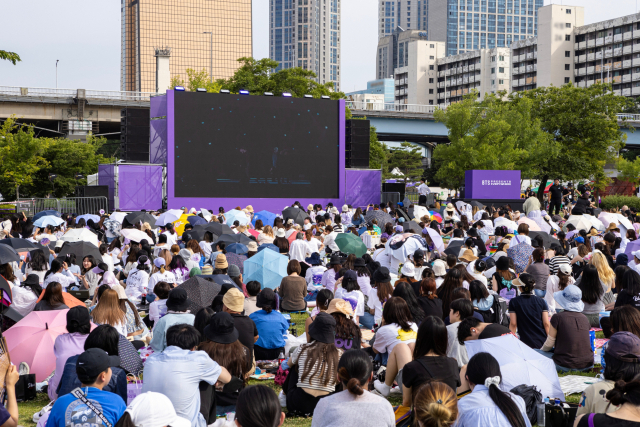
55	266
162	270
354	371
435	404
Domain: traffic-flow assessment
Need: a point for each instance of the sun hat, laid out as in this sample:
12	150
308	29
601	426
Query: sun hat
280	232
468	256
335	260
570	298
221	329
221	261
381	275
338	305
593	232
32	279
314	259
178	300
565	269
310	207
359	262
266	298
345	208
153	409
439	268
408	269
233	271
249	208
290	221
323	328
207	269
613	226
234	300
334	210
120	291
252	246
624	344
450	207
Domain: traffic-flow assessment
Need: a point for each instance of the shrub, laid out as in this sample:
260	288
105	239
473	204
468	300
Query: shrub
613	202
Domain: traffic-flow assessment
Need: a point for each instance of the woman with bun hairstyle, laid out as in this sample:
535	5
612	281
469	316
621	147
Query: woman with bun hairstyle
258	406
355	405
626	395
435	405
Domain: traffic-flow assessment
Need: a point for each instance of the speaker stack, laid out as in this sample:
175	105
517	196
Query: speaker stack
134	134
357	147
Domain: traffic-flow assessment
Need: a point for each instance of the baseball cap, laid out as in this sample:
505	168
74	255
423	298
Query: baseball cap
565	269
624	346
78	316
93	362
579	239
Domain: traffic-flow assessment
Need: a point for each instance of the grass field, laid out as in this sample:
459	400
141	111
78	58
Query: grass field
27	409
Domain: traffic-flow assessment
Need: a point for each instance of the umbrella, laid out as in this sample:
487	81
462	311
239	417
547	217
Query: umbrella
233	238
520	254
266	217
113	226
454	247
8	254
476	204
237	248
5	295
221	279
595	222
69	300
198	233
411	225
267	267
118	216
547	240
206	214
632	247
21	245
436	217
607	218
201	292
381	216
533	226
179	224
546	189
409	244
436	238
49	212
236	215
580	222
80	235
419	212
462	206
51	220
130	359
237	260
254	233
219	229
31	340
81	250
268	246
136	217
136	235
87	217
168	217
297	214
196	220
519	364
349	243
403	214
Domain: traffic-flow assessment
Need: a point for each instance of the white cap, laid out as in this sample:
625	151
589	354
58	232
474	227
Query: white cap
334	210
565	269
192	210
408	269
280	232
152	409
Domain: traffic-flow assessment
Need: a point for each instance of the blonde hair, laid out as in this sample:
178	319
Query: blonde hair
435	405
267	231
108	310
605	273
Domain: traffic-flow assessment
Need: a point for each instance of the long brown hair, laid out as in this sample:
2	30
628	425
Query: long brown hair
268	231
397	311
435	404
53	294
108	309
626	318
384	290
7	272
324	357
231	356
133	255
123	306
345	328
563	280
194	246
452	280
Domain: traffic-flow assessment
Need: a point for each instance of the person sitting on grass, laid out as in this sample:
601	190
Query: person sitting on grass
626	396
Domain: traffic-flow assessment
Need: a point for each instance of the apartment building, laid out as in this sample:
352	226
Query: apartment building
415	78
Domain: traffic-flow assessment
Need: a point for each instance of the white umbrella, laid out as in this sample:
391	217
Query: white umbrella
419	212
519	364
595	222
169	216
80	235
580	222
118	216
624	222
437	239
136	235
206	214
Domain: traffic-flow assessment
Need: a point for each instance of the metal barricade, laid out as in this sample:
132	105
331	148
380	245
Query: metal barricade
77	205
390	197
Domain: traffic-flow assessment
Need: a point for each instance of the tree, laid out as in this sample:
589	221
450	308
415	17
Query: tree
196	80
629	170
377	151
10	56
408	159
20	157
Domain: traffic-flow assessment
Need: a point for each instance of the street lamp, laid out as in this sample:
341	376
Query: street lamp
210	55
57	60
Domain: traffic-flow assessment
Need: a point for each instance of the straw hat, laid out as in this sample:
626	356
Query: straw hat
338	305
468	256
221	261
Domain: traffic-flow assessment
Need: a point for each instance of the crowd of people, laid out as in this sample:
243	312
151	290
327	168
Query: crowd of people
379	324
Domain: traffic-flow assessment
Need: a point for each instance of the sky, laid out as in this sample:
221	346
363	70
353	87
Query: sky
85	37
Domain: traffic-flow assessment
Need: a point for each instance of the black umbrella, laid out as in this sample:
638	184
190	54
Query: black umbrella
410	212
23	245
477	204
8	254
597	212
135	217
81	250
218	229
547	240
201	291
454	248
130	360
11	313
196	220
412	225
198	233
233	238
297	214
403	214
223	280
381	216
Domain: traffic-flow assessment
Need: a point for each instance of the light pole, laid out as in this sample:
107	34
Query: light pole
210	55
57	60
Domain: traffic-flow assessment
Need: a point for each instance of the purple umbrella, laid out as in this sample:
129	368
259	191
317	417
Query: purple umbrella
632	247
236	259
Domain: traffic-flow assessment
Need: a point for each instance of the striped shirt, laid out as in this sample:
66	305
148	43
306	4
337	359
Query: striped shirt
314	379
556	261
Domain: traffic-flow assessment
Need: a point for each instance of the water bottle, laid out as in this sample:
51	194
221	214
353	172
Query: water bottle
541	411
280	358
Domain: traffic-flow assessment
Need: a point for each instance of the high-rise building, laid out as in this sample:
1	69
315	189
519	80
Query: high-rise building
179	25
425	15
417	72
306	34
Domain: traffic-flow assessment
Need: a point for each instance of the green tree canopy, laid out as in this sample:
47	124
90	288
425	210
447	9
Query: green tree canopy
12	57
408	159
196	80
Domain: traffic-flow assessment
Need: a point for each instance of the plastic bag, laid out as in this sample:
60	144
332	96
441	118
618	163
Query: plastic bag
531	397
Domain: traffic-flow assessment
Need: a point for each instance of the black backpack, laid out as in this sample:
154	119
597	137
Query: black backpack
497	313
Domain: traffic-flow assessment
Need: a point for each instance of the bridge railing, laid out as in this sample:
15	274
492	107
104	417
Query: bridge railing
103	95
392	108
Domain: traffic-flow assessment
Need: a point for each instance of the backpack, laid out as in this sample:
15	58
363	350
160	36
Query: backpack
508	292
497	313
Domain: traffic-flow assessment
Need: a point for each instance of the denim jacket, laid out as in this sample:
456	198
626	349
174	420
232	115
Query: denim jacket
69	380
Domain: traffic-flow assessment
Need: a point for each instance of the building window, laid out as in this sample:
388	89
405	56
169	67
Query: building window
567	37
501	82
567	54
568	25
493	82
431	57
430	91
567	66
493	71
500	58
431	67
430	79
568	11
501	70
431	102
493	59
567	80
431	46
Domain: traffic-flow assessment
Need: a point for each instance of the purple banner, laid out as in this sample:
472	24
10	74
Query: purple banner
106	176
492	184
362	187
158	142
158	106
140	187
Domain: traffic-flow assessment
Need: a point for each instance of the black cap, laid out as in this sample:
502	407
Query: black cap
178	300
92	363
221	329
323	328
381	275
266	298
418	253
78	316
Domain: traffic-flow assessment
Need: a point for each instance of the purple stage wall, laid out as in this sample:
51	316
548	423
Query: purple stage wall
107	176
140	187
158	107
158	130
363	187
492	184
272	205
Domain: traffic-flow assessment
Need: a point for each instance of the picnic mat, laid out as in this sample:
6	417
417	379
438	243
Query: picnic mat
595	329
263	376
576	384
600	342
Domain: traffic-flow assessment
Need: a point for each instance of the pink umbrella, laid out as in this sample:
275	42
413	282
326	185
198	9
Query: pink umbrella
31	340
255	233
533	226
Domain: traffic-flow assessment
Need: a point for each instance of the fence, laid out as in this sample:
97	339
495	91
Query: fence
78	205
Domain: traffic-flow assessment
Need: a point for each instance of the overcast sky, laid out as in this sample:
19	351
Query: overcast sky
85	36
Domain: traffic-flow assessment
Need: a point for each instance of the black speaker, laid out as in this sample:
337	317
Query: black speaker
92	191
357	143
394	187
134	134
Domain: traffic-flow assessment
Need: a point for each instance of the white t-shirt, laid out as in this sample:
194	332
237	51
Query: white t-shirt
520	238
206	248
181	275
388	336
156	277
40	274
423	189
114	255
365	284
375	303
313	276
172	239
137	283
65	278
157	309
314	245
355	298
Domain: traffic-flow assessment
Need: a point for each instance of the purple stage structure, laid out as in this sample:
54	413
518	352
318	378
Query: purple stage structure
492	184
363	187
132	186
